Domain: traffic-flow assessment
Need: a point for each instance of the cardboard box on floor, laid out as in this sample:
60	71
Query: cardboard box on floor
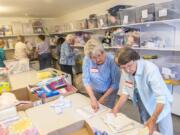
78	128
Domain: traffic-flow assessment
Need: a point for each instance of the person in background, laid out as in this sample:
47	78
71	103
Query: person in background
67	55
21	51
142	81
2	54
43	50
60	41
101	75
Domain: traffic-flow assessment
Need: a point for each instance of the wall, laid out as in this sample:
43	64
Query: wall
102	8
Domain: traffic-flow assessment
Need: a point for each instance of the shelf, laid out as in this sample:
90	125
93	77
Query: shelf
13	36
118	47
157	49
167	22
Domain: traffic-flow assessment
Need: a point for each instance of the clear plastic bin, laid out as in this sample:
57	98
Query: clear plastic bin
113	20
145	13
128	16
102	21
92	23
169	67
167	10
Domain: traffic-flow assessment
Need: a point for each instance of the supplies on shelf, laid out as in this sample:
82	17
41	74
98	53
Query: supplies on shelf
38	27
132	38
6	30
92	21
17	28
83	24
118	37
27	28
169	67
128	16
102	21
167	10
113	20
145	13
106	41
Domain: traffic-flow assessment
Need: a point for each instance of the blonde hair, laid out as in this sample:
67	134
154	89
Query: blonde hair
93	47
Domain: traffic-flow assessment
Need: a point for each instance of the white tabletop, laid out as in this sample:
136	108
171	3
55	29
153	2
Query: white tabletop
46	119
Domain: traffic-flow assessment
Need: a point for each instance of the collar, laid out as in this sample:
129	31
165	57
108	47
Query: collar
140	66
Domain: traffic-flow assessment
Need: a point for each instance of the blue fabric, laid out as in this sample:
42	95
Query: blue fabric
67	55
151	87
45	60
108	74
2	57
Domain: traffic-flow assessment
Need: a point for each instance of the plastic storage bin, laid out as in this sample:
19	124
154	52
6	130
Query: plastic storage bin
145	13
92	23
167	10
113	20
169	67
128	16
102	21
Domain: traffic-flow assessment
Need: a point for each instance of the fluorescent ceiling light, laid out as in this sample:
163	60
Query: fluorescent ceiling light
4	9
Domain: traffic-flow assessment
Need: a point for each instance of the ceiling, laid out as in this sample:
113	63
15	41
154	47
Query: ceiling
42	8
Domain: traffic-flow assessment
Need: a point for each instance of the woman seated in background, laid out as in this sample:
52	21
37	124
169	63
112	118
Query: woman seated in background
101	75
21	50
2	54
67	55
44	54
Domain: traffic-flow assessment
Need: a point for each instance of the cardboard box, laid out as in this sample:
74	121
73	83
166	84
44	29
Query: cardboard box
71	90
24	95
145	13
78	128
167	10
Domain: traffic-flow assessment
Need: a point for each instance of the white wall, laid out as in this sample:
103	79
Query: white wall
102	8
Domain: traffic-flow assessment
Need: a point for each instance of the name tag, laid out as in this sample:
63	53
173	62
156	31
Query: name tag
94	70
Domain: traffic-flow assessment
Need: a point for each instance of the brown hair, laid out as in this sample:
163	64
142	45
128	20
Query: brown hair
125	55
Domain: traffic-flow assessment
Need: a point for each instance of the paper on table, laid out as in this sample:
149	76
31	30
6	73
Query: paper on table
88	112
120	123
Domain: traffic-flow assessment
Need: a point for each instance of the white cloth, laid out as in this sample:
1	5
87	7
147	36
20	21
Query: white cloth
21	51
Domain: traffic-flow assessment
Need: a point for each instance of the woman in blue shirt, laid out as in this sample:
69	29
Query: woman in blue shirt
142	81
67	55
100	75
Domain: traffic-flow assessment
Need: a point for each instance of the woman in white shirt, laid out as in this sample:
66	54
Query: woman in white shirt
21	51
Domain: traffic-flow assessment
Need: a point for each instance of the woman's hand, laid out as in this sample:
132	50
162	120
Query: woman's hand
94	104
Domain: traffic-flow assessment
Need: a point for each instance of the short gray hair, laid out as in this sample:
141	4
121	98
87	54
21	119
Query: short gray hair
93	47
70	37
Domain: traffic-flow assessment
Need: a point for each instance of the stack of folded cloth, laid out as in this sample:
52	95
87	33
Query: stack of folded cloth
23	126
